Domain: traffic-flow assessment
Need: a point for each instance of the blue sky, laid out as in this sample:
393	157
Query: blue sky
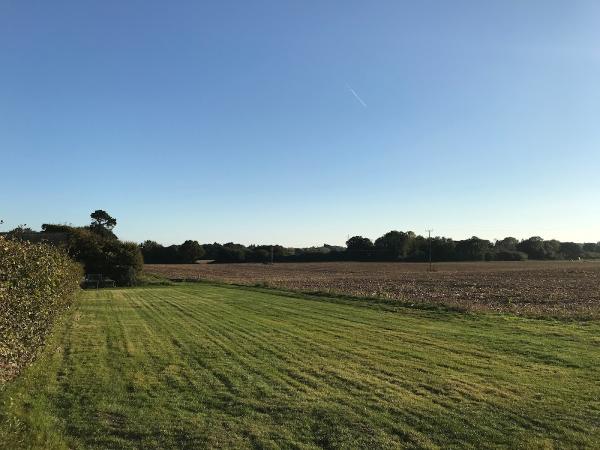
236	121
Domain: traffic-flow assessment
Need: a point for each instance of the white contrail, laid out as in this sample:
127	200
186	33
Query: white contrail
356	95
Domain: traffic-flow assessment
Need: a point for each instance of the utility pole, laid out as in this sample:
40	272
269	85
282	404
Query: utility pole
429	238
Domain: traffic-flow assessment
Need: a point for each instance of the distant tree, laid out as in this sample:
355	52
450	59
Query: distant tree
101	218
571	250
279	252
508	243
395	245
359	243
103	223
592	246
231	252
538	248
170	254
152	252
533	247
190	251
359	247
552	249
473	249
443	249
260	254
211	251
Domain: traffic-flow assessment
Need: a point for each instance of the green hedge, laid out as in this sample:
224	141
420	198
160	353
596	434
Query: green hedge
37	283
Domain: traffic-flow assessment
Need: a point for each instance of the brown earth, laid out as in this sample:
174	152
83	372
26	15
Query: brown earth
568	289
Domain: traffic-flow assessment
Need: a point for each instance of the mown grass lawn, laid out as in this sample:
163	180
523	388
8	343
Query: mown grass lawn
197	365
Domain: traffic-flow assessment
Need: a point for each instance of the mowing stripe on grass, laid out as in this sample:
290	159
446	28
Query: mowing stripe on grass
196	365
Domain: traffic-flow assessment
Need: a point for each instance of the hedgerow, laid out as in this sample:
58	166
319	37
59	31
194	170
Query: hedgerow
37	284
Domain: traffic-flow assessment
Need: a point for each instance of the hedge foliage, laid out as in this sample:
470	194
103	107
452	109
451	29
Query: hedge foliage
37	283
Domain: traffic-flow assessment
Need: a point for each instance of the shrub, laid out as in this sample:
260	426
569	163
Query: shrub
125	262
121	261
37	284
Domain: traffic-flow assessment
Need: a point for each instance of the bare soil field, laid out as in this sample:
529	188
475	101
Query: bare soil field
566	289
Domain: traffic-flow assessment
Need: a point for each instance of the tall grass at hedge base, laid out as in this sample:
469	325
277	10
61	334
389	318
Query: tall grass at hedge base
37	284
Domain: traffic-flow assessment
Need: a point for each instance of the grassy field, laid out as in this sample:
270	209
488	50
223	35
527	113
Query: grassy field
196	365
564	289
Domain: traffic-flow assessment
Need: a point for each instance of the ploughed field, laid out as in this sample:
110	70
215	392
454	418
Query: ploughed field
568	289
203	366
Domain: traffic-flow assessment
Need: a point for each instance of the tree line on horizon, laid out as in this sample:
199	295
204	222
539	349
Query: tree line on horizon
99	249
392	246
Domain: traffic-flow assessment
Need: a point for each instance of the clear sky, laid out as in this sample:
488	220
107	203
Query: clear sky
300	122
